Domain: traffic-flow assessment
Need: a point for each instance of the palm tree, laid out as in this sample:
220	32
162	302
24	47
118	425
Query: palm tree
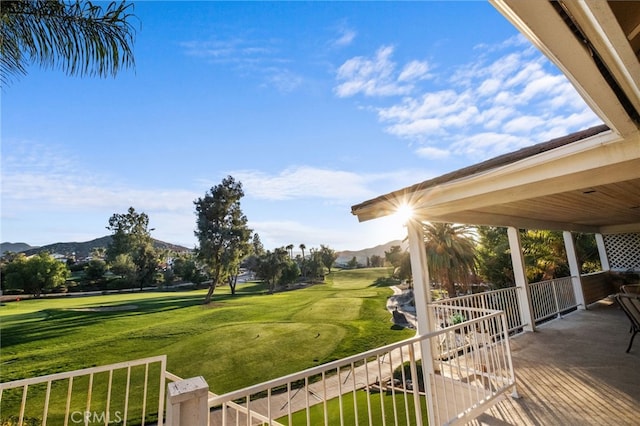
78	37
302	247
450	253
290	250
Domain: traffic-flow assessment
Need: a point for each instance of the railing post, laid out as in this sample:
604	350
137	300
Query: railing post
187	402
524	296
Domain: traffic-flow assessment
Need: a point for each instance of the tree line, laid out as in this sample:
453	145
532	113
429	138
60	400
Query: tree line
458	255
225	246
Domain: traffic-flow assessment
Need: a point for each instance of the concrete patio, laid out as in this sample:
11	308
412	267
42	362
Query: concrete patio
574	371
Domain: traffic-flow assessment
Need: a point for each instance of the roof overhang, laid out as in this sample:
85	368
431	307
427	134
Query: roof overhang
595	43
584	182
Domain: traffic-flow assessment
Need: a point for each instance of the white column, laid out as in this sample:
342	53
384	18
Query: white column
574	268
602	252
520	276
420	273
422	298
187	403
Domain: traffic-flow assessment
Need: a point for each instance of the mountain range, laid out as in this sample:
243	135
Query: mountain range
78	249
361	255
84	249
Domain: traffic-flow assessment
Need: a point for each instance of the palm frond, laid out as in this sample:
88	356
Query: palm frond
78	37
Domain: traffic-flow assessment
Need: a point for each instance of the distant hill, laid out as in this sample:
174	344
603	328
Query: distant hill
14	247
361	255
83	249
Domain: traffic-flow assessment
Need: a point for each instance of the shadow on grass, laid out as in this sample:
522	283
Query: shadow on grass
54	323
385	282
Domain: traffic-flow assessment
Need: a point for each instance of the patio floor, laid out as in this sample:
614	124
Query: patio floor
574	371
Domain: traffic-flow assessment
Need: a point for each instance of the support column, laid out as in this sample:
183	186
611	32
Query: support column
422	299
420	273
187	403
574	268
520	276
602	252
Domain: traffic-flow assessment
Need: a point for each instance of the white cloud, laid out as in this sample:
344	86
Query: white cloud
253	57
433	153
414	70
523	124
302	182
345	36
232	50
40	175
482	146
371	77
507	97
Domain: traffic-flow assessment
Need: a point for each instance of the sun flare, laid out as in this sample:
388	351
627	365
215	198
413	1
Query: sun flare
404	213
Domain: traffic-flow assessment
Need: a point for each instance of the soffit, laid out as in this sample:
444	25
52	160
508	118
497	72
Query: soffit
589	185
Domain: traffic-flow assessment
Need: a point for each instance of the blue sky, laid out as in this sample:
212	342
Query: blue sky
312	106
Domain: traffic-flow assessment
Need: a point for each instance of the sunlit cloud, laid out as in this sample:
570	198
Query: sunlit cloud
507	97
371	76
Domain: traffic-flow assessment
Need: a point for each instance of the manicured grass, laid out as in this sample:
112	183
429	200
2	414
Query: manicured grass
234	342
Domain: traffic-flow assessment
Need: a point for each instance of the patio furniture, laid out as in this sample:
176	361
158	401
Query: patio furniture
630	304
630	288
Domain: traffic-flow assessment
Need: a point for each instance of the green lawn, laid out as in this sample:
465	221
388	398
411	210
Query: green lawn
235	342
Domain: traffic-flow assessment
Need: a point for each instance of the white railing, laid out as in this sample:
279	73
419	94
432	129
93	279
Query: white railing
112	394
548	299
505	300
551	298
388	385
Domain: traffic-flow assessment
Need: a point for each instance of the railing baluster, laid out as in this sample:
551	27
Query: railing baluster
340	397
269	405
355	397
380	383
307	391
23	404
144	392
126	396
417	408
45	414
69	390
289	404
393	389
248	399
108	409
324	398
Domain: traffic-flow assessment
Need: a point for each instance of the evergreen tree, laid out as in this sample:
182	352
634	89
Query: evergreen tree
222	232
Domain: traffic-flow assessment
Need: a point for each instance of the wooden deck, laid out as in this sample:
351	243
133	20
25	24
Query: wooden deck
574	371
